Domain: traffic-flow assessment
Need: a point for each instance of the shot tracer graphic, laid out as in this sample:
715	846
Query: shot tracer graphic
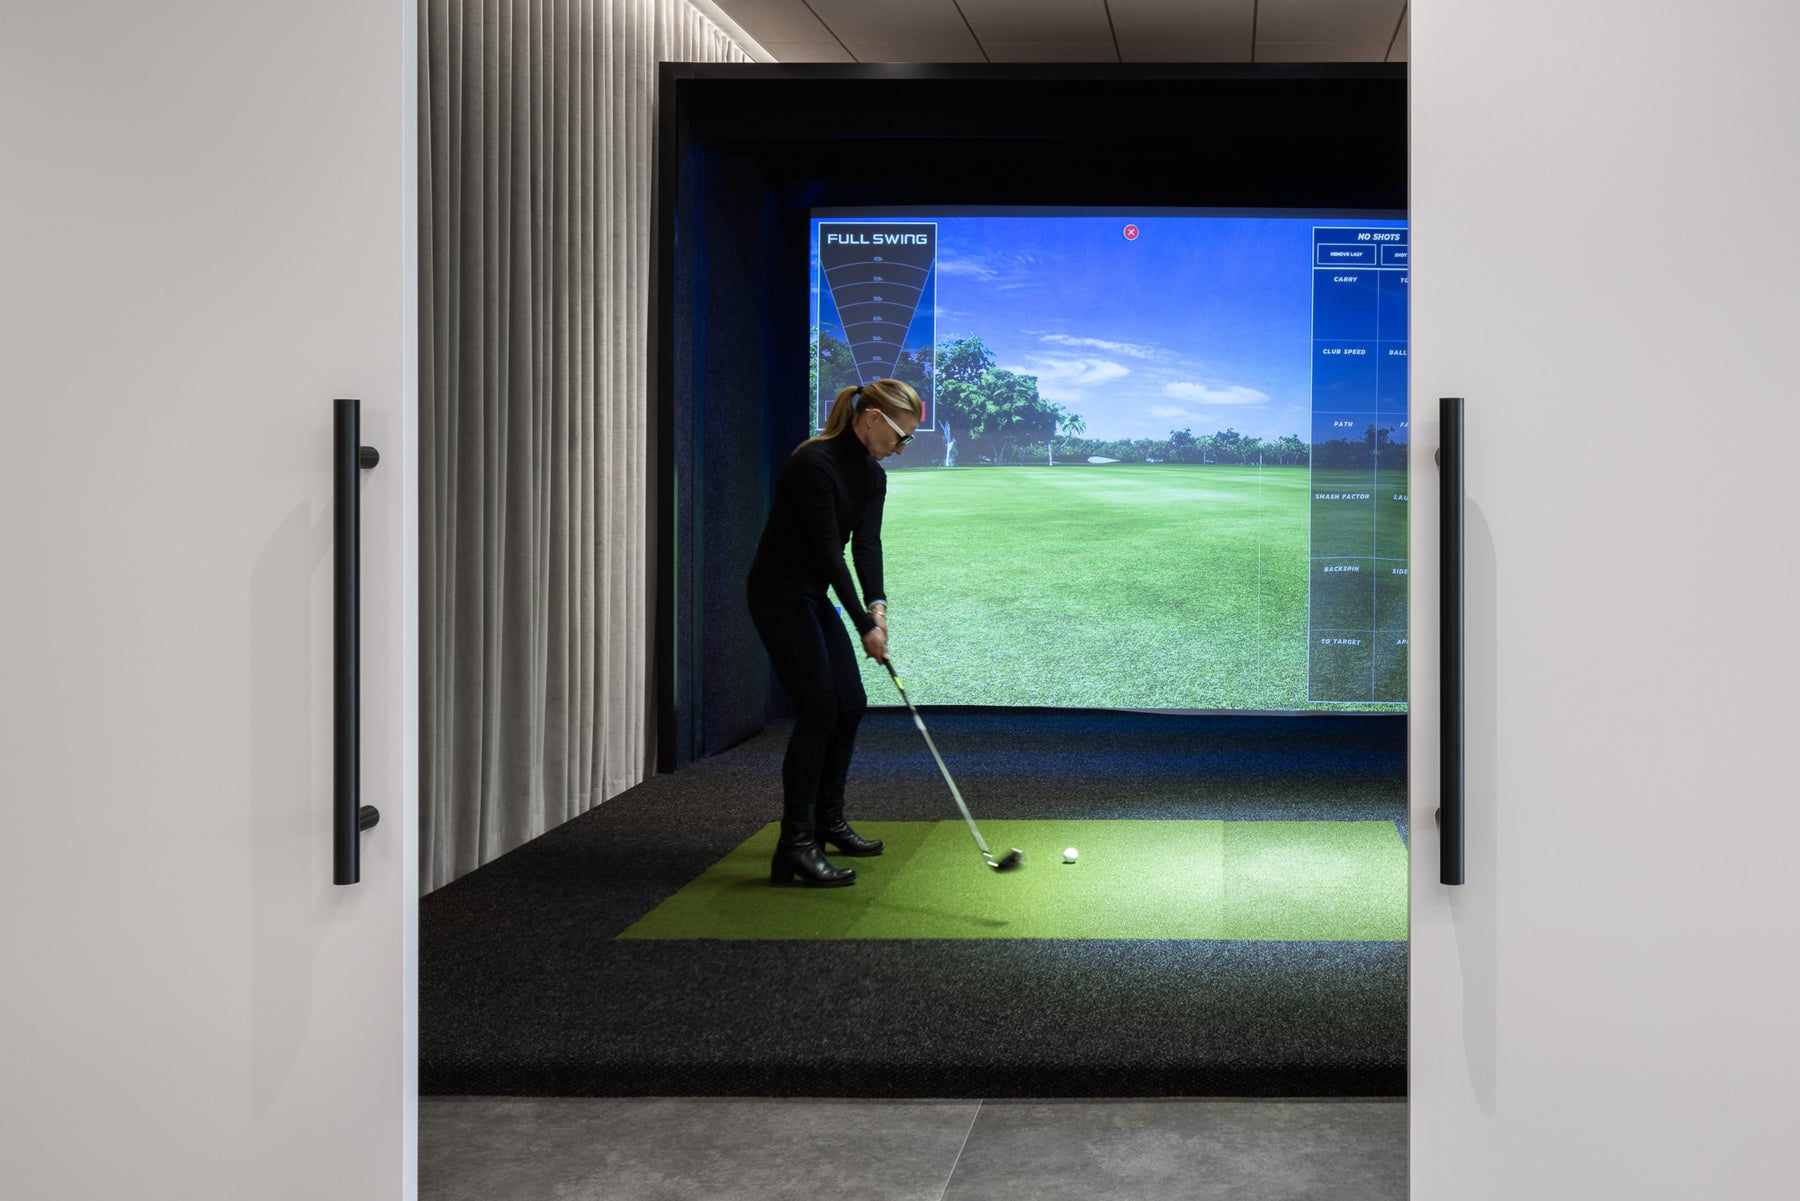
876	296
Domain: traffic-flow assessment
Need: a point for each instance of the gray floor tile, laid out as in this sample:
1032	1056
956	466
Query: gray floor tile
687	1149
1194	1150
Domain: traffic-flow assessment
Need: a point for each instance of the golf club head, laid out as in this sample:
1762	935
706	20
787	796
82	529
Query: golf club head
1013	858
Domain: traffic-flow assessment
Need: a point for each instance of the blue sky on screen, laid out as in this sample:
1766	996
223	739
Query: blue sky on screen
1200	322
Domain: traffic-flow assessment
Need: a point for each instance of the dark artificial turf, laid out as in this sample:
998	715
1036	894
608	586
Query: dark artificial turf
526	987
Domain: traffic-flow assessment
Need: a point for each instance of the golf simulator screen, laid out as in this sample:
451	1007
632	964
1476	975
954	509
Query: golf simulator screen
1163	460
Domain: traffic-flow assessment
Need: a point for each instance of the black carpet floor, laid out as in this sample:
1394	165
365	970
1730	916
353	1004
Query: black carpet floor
525	989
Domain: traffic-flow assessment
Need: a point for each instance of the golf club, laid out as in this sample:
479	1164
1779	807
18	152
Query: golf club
1012	858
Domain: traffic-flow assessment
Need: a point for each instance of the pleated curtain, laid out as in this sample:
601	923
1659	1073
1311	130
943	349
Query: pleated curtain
537	129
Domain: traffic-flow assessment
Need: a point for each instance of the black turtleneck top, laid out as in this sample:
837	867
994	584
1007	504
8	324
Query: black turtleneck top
829	492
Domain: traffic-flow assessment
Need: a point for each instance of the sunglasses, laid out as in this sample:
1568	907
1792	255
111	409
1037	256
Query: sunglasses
904	437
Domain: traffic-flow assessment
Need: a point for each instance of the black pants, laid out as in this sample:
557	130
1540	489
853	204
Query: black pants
816	662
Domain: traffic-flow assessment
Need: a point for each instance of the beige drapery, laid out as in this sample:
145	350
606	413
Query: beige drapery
537	129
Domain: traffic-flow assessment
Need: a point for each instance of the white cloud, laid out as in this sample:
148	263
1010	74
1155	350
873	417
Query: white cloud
1131	350
974	268
1001	273
1207	394
1069	378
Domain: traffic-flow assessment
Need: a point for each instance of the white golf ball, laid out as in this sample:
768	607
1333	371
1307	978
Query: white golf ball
1068	854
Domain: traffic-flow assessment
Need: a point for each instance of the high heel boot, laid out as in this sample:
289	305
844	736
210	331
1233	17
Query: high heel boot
798	856
836	832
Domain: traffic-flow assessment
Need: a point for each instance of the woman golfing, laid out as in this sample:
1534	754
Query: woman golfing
830	491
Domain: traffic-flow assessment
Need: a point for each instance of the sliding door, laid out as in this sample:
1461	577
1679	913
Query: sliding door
1603	201
210	239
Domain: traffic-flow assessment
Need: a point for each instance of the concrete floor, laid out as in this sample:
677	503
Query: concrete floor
687	1149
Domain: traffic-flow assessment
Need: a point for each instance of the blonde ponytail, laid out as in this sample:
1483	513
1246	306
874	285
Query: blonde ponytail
843	408
894	397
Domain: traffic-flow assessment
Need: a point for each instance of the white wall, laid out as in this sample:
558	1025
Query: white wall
1604	202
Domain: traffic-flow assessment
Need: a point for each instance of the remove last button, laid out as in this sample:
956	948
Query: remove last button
1345	255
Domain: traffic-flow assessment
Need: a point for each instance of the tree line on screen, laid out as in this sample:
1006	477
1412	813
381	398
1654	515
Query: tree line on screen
987	415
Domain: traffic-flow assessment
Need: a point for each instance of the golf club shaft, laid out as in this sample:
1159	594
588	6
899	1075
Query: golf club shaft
955	792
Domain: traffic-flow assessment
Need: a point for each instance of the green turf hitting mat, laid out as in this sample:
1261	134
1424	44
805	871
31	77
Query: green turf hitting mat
1245	880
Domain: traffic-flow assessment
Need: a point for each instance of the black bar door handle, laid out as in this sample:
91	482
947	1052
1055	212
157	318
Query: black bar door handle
349	816
1450	647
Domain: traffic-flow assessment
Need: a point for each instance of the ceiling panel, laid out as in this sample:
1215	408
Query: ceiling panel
874	50
1088	51
1038	21
1148	23
826	51
912	23
1357	21
1042	31
776	21
1373	50
1160	50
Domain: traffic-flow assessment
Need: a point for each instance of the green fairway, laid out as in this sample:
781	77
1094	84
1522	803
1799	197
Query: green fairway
1159	586
1280	881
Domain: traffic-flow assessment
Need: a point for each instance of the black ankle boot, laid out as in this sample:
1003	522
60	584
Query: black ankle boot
835	831
798	856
